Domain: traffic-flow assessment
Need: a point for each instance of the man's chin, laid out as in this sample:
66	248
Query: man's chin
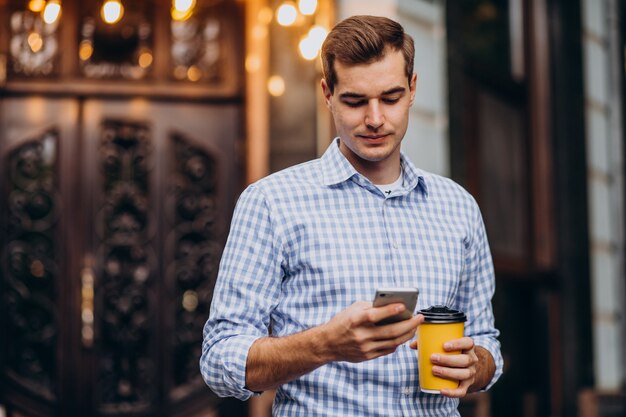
374	156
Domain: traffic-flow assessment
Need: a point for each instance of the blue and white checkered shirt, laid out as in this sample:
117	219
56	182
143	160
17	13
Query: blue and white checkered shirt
307	242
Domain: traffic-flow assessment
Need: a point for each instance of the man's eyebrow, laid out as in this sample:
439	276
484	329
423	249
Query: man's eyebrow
394	90
350	94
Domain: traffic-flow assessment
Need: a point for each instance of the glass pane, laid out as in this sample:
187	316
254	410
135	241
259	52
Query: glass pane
197	42
503	178
489	36
116	41
34	43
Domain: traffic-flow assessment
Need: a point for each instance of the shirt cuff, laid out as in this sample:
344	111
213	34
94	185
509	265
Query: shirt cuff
230	374
493	347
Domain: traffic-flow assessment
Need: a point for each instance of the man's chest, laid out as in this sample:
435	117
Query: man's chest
337	257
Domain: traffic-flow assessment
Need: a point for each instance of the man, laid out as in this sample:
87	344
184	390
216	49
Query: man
309	245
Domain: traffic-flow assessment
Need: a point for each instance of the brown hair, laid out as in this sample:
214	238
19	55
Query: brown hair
362	40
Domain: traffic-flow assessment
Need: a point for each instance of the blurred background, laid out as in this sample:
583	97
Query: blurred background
129	127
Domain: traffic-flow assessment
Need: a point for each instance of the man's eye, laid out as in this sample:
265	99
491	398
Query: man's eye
391	100
355	103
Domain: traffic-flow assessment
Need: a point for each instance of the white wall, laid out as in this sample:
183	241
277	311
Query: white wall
605	167
426	140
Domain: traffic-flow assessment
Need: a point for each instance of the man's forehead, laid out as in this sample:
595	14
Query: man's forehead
380	75
370	86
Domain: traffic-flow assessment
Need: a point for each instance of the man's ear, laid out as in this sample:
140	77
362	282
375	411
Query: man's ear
327	93
412	87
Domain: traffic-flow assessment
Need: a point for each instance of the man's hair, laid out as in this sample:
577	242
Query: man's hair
363	40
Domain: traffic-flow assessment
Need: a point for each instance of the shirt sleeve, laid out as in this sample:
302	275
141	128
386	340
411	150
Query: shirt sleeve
476	290
246	292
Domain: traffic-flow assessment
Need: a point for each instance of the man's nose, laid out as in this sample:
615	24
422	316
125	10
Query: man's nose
374	117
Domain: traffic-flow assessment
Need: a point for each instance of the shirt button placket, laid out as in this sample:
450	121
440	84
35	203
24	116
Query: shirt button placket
388	230
391	238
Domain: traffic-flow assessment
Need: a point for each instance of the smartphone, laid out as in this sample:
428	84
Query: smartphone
406	296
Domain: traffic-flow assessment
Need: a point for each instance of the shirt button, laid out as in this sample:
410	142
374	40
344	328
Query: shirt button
394	244
406	391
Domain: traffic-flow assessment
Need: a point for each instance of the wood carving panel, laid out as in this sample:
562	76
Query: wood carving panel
196	251
125	322
29	265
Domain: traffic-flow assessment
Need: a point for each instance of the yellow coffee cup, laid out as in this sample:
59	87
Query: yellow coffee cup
440	325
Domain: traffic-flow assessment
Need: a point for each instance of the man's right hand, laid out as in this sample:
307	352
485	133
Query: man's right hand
353	336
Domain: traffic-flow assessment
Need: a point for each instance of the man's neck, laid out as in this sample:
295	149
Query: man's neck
379	175
383	171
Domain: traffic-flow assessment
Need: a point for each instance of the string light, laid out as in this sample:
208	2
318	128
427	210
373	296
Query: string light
307	7
85	50
194	73
307	49
184	5
318	34
190	301
112	11
182	9
145	59
51	12
311	44
266	15
180	16
276	85
253	63
36	6
259	31
35	42
287	14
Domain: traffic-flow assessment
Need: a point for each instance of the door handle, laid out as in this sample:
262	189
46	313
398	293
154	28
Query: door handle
87	279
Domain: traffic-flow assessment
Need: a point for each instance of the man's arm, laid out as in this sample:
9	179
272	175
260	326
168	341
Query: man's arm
248	288
480	363
475	292
349	336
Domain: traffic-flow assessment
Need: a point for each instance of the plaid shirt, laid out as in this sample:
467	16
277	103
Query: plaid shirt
307	242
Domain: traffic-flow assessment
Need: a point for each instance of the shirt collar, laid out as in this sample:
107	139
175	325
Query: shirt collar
337	169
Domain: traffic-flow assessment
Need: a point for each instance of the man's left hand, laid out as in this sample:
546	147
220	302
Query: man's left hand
459	367
473	367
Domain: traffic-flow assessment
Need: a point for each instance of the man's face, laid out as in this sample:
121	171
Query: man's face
370	107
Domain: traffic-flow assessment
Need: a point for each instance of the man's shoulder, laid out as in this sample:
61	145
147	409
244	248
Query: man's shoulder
442	187
291	179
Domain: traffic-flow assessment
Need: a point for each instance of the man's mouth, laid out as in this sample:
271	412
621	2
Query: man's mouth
374	137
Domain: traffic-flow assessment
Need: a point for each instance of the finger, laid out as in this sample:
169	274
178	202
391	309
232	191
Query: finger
455	374
403	326
376	314
453	361
401	329
413	345
375	349
459	392
454	393
464	343
361	305
383	352
393	342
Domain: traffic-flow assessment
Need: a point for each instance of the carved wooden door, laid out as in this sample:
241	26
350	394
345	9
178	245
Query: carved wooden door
114	218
